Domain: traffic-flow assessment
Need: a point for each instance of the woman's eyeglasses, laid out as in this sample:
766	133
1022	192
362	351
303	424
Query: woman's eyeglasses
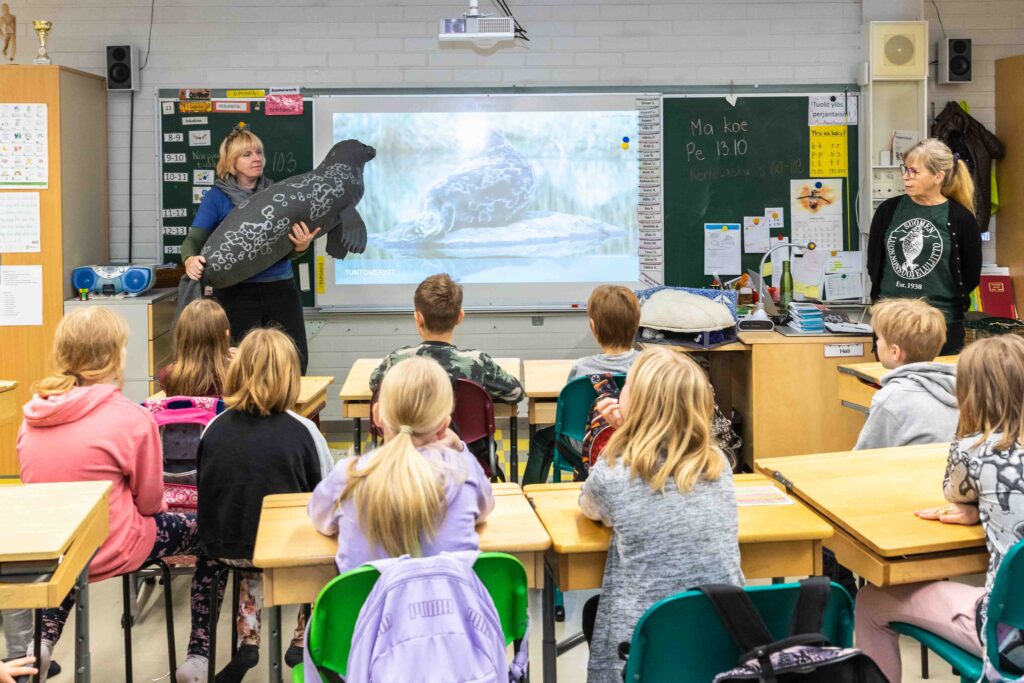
908	171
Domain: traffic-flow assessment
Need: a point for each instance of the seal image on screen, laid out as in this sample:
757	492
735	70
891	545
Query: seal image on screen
254	236
489	189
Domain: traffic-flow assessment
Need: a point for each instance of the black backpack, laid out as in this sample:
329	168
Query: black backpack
804	657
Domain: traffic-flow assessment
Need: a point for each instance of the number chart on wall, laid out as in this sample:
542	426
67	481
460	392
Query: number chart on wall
190	135
742	173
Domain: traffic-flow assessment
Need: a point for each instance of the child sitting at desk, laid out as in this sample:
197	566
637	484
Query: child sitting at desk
666	489
420	493
202	351
80	427
917	401
256	448
984	480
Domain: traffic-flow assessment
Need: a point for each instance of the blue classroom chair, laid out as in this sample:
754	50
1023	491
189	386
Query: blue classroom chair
681	639
1005	605
572	416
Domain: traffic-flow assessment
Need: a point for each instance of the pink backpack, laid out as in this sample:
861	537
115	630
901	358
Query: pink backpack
181	420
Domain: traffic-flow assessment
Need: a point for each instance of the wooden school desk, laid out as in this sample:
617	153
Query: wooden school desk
858	382
870	498
355	404
54	530
312	396
298	561
775	541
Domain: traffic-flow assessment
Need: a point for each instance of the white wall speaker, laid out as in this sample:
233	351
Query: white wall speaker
898	49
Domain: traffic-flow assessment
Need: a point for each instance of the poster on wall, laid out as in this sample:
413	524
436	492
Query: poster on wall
23	147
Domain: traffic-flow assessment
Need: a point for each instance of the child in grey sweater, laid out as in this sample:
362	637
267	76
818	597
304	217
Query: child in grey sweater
917	401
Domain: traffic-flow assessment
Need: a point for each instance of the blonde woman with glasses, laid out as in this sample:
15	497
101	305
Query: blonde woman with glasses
666	490
926	243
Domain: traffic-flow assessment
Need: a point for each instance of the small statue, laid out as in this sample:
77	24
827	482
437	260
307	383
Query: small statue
8	31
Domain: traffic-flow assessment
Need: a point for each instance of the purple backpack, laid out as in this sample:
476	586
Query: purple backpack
430	619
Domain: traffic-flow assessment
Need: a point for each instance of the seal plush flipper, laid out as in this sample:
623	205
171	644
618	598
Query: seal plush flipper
335	244
353	230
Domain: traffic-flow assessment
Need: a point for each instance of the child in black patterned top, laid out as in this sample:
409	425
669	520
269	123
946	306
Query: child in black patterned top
984	481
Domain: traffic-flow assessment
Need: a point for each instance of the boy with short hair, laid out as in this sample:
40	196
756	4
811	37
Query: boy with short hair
614	314
917	401
438	304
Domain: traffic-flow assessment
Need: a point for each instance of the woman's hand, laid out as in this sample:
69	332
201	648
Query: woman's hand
953	513
610	411
14	669
194	267
301	237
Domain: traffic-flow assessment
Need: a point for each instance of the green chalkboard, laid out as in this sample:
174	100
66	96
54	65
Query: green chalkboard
723	162
190	141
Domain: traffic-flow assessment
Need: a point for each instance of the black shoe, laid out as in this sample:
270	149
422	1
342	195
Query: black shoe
559	613
293	655
53	670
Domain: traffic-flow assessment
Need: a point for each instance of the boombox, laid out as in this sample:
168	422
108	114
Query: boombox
113	279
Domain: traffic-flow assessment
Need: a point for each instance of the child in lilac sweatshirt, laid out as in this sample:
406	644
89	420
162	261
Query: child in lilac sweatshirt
420	493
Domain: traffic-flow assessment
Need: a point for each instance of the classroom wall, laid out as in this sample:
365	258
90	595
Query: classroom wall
392	43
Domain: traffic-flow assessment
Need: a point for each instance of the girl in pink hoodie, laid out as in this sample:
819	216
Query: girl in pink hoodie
79	427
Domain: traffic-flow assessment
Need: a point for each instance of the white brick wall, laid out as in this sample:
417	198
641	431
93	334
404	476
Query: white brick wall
391	43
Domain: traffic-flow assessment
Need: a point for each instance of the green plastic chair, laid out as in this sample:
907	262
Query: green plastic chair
572	416
1005	605
337	607
681	639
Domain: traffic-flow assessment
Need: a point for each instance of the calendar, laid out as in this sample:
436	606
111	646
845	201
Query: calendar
816	205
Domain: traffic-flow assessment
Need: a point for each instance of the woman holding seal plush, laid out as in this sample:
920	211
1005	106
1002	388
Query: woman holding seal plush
270	297
926	244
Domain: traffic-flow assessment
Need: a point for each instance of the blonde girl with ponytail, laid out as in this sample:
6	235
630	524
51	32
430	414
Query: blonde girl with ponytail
666	490
926	243
80	427
420	493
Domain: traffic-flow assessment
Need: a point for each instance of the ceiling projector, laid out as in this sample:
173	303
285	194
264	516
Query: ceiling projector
479	29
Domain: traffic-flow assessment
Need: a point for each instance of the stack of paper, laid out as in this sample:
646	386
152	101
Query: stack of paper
806	317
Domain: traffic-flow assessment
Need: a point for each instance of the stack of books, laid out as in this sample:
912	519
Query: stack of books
806	317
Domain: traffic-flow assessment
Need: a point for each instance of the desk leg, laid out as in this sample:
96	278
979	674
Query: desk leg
357	435
513	450
549	652
274	666
83	665
38	646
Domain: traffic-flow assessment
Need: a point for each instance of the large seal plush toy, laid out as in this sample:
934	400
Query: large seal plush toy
488	190
254	236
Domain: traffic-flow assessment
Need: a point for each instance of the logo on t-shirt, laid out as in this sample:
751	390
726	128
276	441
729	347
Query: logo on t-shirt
914	248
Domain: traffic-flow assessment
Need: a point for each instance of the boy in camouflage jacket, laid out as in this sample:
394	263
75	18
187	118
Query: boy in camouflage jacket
438	303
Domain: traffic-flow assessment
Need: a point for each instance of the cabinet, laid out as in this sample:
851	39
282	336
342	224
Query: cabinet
72	208
1010	172
149	319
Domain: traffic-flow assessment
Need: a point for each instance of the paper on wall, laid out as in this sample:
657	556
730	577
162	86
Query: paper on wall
808	269
755	235
776	219
21	295
844	262
834	109
19	222
24	147
829	152
722	249
843	286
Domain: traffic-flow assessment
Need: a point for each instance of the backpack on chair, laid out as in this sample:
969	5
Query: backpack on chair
430	619
804	657
181	420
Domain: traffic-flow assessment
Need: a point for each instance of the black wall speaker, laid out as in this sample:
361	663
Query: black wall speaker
955	61
122	68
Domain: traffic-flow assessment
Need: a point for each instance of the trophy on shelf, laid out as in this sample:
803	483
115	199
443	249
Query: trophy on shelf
42	27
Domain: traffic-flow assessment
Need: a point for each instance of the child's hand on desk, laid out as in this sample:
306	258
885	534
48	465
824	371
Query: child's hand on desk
952	513
610	411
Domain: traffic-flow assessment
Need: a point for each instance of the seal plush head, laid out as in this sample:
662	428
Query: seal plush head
254	235
490	188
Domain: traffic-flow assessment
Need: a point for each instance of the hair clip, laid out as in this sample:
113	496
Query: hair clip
239	127
956	157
